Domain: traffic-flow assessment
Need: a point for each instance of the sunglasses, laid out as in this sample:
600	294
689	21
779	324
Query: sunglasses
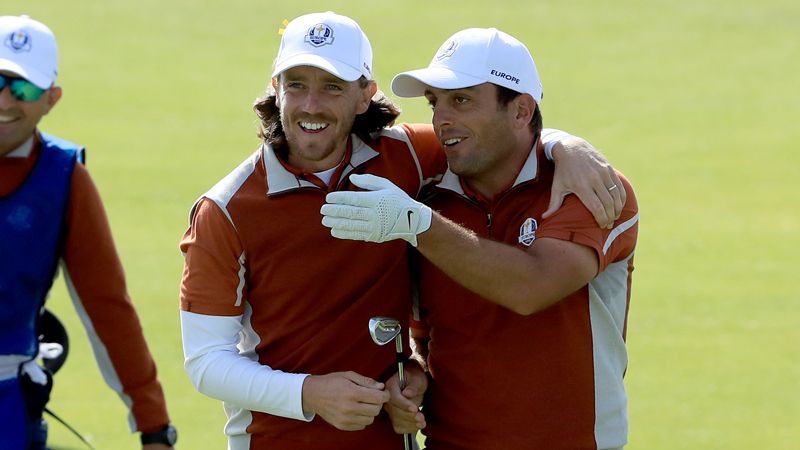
22	89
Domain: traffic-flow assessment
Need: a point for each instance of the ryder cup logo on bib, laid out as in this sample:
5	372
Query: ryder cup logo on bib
18	41
527	232
319	35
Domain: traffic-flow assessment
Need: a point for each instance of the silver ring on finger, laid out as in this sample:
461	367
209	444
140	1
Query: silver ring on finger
613	186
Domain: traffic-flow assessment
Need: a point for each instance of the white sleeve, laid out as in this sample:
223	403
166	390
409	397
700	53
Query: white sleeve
217	369
551	137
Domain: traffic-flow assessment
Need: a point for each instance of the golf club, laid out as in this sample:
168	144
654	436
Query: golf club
383	330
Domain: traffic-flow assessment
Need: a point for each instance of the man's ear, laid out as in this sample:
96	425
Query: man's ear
367	94
53	96
275	88
524	107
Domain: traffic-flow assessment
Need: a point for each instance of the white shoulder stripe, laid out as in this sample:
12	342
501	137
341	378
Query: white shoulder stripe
399	133
222	192
619	229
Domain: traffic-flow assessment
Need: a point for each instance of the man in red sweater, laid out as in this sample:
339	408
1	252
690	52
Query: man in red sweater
522	315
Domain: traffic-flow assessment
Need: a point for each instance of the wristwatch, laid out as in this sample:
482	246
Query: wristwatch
168	436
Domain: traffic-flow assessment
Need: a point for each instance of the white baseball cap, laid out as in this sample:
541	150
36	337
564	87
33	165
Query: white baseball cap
28	48
471	57
327	41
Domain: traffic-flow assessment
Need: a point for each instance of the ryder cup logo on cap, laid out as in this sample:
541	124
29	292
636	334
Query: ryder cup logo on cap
319	34
471	57
19	41
446	50
28	50
326	41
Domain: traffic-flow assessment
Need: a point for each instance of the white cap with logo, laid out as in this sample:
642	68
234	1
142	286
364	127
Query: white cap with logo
328	41
28	48
471	57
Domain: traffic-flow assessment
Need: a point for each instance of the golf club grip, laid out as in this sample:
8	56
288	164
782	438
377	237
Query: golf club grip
401	373
398	343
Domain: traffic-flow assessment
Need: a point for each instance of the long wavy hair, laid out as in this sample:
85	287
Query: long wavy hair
381	113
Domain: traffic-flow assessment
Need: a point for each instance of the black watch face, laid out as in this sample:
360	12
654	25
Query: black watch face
168	436
172	435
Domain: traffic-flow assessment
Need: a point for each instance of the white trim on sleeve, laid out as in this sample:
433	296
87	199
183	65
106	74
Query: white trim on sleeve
551	137
219	370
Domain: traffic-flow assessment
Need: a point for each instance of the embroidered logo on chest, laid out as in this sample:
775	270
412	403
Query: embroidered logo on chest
527	232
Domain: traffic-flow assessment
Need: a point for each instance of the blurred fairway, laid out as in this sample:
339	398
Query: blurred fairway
697	102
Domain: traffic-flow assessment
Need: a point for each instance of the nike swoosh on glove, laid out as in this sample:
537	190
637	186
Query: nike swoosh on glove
383	212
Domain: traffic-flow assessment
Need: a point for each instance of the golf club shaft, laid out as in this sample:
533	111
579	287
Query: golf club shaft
398	343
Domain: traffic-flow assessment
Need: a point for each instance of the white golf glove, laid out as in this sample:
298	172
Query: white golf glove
382	213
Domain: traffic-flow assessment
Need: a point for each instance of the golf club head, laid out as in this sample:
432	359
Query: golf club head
384	329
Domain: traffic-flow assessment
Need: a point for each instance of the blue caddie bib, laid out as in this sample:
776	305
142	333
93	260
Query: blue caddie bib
31	238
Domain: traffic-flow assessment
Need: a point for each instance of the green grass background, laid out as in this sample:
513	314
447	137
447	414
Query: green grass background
697	102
